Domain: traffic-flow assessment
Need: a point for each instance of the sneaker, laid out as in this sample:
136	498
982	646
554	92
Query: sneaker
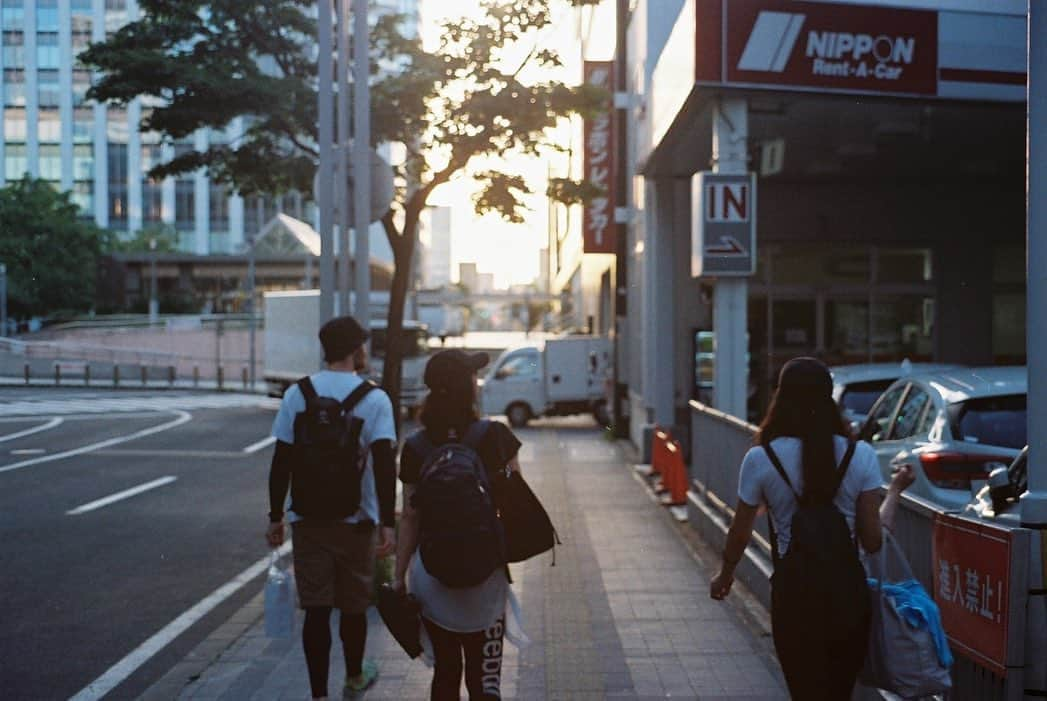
361	682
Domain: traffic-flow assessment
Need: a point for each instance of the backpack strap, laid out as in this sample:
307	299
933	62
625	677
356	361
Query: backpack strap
305	386
844	464
773	457
475	434
357	395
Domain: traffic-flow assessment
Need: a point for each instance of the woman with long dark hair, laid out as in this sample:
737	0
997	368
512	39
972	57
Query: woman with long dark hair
459	620
805	458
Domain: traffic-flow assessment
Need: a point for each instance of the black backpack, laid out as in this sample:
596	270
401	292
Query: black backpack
460	537
820	583
325	482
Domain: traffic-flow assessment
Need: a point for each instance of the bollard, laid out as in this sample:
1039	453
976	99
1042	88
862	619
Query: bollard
243	376
26	368
116	375
145	375
675	476
87	375
58	374
219	377
196	375
171	375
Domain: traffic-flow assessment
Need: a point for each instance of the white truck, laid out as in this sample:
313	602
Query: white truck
555	377
292	322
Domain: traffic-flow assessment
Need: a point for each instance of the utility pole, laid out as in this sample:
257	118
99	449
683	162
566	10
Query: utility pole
621	282
1034	501
343	191
325	137
362	162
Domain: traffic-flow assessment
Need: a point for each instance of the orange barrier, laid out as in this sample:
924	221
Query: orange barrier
674	478
660	440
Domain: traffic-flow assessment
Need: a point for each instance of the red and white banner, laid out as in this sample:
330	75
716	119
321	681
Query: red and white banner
598	220
972	587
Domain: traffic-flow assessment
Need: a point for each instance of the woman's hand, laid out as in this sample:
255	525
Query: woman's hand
720	586
903	477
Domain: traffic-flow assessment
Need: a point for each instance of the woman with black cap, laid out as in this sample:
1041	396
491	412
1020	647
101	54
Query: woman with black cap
805	463
459	620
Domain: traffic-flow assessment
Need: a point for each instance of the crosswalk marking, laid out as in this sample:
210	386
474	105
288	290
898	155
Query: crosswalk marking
104	404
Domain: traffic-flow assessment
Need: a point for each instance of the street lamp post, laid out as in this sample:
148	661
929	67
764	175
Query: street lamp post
362	162
154	305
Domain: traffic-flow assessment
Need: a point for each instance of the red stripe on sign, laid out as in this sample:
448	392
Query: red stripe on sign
964	75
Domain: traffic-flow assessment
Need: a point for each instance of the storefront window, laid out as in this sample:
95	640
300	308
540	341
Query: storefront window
847	331
904	266
903	328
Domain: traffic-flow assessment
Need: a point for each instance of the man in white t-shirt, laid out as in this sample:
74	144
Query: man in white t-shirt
334	558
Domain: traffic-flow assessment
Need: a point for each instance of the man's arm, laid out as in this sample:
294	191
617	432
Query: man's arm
279	481
384	460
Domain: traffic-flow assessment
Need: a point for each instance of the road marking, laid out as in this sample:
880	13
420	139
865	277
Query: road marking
146	453
264	443
30	431
29	451
183	417
120	496
144	652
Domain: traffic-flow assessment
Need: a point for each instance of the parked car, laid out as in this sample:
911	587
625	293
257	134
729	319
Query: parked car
951	428
997	501
857	387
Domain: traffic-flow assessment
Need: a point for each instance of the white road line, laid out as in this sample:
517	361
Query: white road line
120	496
30	431
136	658
29	451
264	443
183	417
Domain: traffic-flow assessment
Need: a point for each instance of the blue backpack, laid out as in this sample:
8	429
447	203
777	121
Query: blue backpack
460	540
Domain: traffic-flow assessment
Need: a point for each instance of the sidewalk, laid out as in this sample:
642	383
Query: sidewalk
625	613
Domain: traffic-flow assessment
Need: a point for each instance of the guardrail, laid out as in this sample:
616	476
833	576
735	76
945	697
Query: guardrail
1015	611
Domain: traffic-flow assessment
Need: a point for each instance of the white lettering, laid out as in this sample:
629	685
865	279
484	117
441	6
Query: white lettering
844	43
862	45
837	45
904	50
817	44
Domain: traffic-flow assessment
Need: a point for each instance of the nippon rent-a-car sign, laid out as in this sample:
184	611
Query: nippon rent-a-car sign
820	45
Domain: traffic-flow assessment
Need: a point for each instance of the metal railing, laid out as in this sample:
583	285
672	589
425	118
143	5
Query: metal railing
718	444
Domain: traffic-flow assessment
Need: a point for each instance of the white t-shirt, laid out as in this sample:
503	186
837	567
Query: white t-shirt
376	411
759	483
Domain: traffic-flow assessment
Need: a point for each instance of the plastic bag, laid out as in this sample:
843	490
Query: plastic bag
279	600
907	654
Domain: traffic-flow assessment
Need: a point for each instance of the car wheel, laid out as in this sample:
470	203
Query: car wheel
518	414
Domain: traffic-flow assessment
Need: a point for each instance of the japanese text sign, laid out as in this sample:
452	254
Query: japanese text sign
972	587
599	221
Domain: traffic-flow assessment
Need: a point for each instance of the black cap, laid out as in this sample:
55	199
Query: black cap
808	374
341	336
451	368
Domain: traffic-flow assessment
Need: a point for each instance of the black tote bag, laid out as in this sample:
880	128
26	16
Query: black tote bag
528	528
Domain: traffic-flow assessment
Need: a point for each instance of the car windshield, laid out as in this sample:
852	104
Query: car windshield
859	397
997	421
416	342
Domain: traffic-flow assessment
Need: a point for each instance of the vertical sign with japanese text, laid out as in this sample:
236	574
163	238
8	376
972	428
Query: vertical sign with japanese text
598	220
972	588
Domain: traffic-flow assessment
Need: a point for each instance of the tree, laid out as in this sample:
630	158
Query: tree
51	253
206	63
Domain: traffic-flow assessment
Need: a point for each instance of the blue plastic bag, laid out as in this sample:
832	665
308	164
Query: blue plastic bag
279	600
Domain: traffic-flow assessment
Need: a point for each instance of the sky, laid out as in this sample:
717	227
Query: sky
509	251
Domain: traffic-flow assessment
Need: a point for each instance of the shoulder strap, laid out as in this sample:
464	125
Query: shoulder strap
773	457
845	463
305	385
475	434
357	395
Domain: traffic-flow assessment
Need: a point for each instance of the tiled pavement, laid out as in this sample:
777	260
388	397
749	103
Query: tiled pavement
624	613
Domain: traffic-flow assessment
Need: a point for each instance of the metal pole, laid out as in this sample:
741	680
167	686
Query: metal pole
3	300
621	290
1034	502
325	134
731	295
154	306
250	311
343	192
362	162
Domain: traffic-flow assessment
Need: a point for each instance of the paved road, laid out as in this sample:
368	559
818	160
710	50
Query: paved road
81	591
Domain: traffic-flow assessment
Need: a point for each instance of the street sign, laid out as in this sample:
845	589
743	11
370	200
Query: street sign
723	225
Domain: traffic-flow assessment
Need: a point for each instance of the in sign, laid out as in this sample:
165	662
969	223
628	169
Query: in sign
727	202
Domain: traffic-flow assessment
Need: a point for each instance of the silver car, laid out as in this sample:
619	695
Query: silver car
950	427
857	387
